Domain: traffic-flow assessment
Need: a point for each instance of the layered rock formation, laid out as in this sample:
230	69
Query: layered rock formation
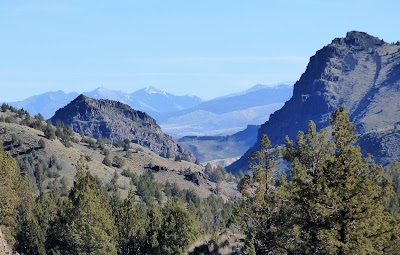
359	71
117	121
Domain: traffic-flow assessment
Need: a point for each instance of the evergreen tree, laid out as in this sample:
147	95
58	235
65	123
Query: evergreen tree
337	194
393	205
31	234
153	230
259	192
49	131
9	195
333	204
131	224
178	229
107	161
85	225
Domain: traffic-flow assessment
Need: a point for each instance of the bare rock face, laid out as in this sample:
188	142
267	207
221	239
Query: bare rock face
117	121
360	72
5	249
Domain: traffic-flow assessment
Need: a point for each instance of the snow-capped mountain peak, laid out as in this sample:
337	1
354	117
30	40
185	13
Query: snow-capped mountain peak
153	90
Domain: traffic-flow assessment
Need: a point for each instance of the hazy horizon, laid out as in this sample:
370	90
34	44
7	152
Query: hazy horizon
208	48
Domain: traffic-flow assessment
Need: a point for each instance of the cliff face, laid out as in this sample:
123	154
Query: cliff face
117	121
5	249
359	71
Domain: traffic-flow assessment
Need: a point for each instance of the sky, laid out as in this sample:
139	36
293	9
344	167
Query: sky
207	48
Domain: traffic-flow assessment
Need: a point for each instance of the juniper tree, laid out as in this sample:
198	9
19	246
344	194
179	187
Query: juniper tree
337	193
9	194
85	224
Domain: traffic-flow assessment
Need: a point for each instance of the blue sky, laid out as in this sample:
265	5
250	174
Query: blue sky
206	48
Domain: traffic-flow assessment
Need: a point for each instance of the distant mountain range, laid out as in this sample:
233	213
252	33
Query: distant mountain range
180	115
188	115
359	71
149	100
228	114
46	104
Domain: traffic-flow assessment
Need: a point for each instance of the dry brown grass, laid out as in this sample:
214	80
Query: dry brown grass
139	159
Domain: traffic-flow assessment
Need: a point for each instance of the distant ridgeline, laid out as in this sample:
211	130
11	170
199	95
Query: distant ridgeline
360	72
117	121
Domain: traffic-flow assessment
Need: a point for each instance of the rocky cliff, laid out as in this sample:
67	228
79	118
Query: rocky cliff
5	249
117	121
359	71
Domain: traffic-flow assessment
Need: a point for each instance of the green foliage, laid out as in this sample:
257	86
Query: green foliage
31	234
126	144
9	195
107	161
42	143
393	204
147	188
178	158
4	107
15	140
334	203
118	162
85	225
178	229
216	174
49	131
131	224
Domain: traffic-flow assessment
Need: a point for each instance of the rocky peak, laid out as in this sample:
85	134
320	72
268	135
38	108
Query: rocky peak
359	71
117	121
153	90
360	40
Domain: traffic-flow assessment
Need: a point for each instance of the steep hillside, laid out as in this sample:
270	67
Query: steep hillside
33	151
227	114
117	121
220	148
359	71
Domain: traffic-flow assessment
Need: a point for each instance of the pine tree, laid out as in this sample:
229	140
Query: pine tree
85	225
338	195
259	192
9	195
49	131
393	205
178	229
333	204
31	234
131	224
153	230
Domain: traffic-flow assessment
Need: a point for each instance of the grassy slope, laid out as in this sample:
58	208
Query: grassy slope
140	158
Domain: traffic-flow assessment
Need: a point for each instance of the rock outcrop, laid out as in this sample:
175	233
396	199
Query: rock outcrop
5	249
359	71
117	121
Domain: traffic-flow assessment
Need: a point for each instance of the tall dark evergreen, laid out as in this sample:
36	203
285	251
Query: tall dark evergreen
9	195
131	224
85	224
393	205
178	229
333	204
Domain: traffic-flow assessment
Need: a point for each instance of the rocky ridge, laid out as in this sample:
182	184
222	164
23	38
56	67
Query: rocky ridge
361	72
117	121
